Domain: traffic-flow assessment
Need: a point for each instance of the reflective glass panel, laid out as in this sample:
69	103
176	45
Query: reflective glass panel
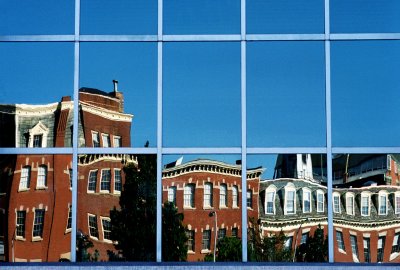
35	208
365	93
39	17
35	89
201	94
121	17
202	214
285	94
118	84
285	16
201	17
365	16
366	198
116	197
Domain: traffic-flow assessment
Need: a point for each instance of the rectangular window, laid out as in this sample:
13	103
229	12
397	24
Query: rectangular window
290	202
106	140
42	175
339	240
172	195
381	248
320	202
69	220
70	178
223	198
235	232
37	140
92	183
117	141
190	240
93	231
306	202
396	243
336	203
249	198
221	233
366	242
205	242
304	238
208	198
354	248
25	178
188	196
105	180
350	205
117	181
288	242
397	203
270	198
364	205
20	227
382	204
106	223
38	223
95	139
235	197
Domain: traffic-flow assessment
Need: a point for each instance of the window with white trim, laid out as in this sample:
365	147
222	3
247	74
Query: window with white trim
106	227
38	223
190	244
92	182
69	220
105	183
70	177
320	201
306	200
105	138
290	199
223	197
208	196
42	177
270	200
336	202
350	203
383	198
117	181
25	179
354	248
20	225
367	255
206	240
304	238
188	196
365	203
397	203
339	240
37	140
116	141
249	198
95	139
92	223
38	136
235	197
172	194
396	243
381	248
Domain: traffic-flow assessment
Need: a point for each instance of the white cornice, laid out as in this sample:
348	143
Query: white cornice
108	114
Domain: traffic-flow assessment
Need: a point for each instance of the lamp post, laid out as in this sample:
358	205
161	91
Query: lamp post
12	243
214	213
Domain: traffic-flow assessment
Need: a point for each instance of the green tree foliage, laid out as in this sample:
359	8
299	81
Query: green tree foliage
134	224
229	249
315	249
83	244
173	234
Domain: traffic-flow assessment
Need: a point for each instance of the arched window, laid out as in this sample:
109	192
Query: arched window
306	200
290	199
320	201
270	200
350	203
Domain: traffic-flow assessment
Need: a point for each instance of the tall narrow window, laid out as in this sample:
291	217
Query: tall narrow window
350	204
117	141
105	180
106	140
290	200
235	197
249	198
306	201
92	183
206	240
70	177
25	178
381	248
336	202
42	177
221	233
397	203
270	201
365	198
172	195
37	140
339	240
38	223
367	256
288	242
190	240
69	220
354	248
188	196
208	198
304	238
92	221
117	181
223	198
383	203
106	224
235	232
396	243
95	139
320	201
20	226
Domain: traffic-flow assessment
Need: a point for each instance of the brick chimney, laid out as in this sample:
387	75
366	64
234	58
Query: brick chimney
119	96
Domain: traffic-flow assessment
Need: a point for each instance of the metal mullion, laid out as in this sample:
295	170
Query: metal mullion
286	150
38	38
118	38
283	37
366	36
201	37
365	150
120	150
36	151
186	150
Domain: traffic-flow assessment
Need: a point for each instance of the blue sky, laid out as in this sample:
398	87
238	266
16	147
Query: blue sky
201	81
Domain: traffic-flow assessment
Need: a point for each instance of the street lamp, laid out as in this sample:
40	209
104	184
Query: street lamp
12	242
214	213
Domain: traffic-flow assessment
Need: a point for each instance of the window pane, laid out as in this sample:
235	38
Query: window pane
208	190
364	78
201	17
285	16
115	196
35	88
119	17
289	217
118	85
201	94
38	209
365	16
39	17
285	94
368	188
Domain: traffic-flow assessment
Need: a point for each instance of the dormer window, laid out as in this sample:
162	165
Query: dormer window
290	199
270	200
365	203
306	200
320	201
383	198
350	203
38	135
336	202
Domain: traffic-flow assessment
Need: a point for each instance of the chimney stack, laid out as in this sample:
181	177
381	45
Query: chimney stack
115	82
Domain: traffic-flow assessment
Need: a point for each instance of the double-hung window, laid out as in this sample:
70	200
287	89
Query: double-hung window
306	201
381	248
172	195
270	202
38	223
69	219
20	226
25	179
383	198
290	199
354	248
92	223
206	240
320	201
190	240
223	197
336	202
350	203
365	204
117	181
117	141
208	196
249	198
92	183
37	140
106	225
235	197
340	241
105	183
95	139
42	177
105	140
188	196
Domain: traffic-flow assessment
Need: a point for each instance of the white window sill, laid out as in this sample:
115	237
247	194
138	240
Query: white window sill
189	208
223	207
191	252
107	241
23	189
20	238
104	191
37	239
41	188
208	208
94	238
205	251
394	256
68	230
342	251
270	213
235	207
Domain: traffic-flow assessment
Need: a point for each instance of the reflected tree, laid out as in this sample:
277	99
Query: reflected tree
315	249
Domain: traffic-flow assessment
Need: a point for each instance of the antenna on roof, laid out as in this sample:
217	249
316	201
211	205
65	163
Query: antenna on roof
115	82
